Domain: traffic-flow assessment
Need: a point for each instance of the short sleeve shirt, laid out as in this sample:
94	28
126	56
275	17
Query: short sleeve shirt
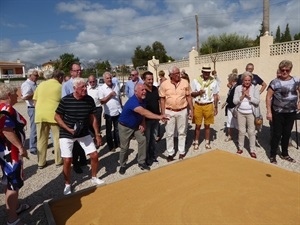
73	110
113	106
129	117
175	95
285	95
28	88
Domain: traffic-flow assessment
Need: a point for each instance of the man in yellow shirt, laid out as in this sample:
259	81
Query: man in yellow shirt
47	97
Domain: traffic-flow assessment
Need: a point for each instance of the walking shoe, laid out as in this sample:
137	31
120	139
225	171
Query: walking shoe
122	170
170	158
144	166
77	169
42	167
97	181
67	189
181	156
34	152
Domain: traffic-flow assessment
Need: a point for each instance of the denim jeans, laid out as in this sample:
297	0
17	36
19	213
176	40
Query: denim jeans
33	137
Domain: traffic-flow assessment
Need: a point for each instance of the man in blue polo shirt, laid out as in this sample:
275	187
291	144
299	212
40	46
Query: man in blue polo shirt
132	122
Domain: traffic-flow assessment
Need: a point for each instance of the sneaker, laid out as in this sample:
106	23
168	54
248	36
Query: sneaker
144	166
97	181
67	189
33	152
122	170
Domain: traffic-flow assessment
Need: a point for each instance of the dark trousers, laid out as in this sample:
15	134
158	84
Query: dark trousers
112	138
79	157
282	125
98	115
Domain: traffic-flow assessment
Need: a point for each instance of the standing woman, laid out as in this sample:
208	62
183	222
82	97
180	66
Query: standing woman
229	106
281	102
246	97
12	150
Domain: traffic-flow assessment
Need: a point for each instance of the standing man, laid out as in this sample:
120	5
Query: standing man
205	92
130	84
256	79
93	91
74	114
152	104
79	158
47	97
175	97
27	90
132	122
110	97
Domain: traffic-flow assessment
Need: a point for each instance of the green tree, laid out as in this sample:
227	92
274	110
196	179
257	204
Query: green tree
65	62
261	33
287	34
225	42
141	56
297	36
102	67
277	37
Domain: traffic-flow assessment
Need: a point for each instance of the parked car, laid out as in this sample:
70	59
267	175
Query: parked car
100	81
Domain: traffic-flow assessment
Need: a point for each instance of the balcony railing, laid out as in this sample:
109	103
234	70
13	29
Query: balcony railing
9	76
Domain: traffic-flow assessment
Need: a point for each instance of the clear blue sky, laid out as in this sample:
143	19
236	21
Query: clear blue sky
37	31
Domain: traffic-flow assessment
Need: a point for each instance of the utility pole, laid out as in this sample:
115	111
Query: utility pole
197	34
266	16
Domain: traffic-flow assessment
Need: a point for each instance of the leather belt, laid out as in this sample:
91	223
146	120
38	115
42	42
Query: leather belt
124	124
203	103
176	110
29	107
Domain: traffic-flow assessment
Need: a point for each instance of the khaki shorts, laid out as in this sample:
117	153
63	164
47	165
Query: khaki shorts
205	112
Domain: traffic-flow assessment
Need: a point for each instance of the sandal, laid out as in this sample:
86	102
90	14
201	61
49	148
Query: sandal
207	146
16	222
288	158
228	139
273	160
253	155
239	151
22	208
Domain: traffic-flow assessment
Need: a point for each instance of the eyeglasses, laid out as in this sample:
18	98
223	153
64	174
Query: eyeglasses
132	74
92	81
282	71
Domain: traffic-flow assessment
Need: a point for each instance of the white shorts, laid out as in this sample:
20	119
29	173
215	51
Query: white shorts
231	121
66	145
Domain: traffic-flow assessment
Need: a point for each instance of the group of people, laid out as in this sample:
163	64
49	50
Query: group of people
72	110
243	111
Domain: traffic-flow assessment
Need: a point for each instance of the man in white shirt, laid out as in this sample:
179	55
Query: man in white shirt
111	99
27	90
93	91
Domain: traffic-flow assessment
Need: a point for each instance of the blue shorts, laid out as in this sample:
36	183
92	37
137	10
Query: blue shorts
12	174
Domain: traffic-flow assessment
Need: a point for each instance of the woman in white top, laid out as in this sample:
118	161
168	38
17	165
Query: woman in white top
246	97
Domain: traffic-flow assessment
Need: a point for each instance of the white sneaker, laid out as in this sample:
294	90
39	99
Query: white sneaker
67	189
97	181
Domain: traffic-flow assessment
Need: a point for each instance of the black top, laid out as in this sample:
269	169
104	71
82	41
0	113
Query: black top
152	100
73	110
229	99
256	80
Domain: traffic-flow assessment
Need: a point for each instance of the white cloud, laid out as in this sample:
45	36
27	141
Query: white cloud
112	32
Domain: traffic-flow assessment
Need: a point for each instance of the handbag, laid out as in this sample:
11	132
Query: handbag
234	111
258	121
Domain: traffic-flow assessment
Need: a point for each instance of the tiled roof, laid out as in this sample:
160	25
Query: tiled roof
3	63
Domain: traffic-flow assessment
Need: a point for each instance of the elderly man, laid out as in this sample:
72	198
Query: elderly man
79	158
93	91
132	122
175	98
110	97
256	79
27	90
47	97
205	92
74	114
130	84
